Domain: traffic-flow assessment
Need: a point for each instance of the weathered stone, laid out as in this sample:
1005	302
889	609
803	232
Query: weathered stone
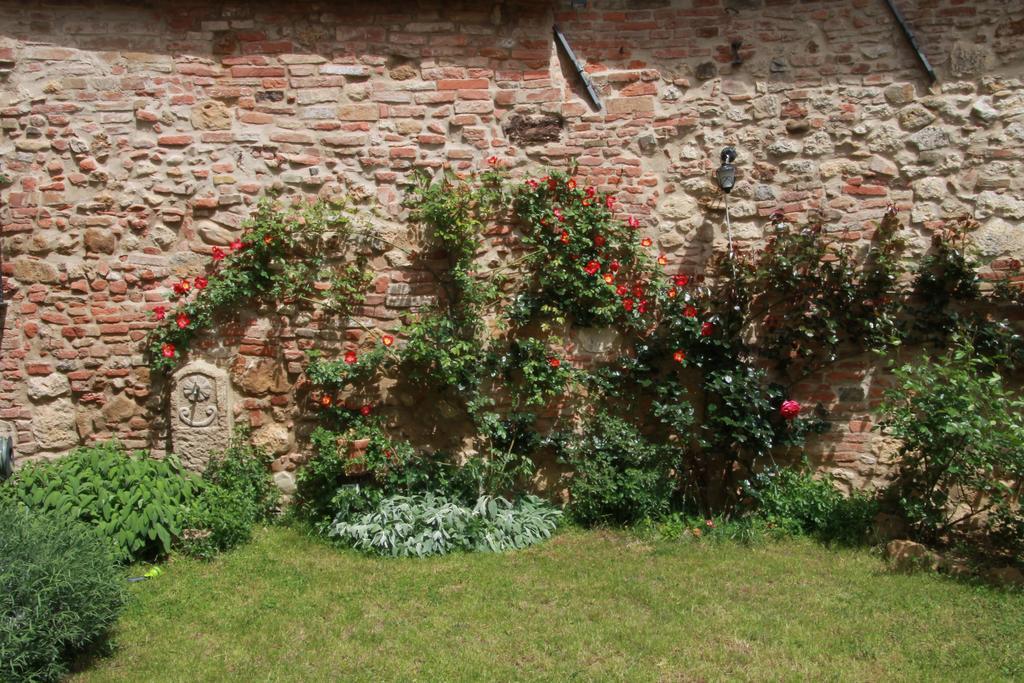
359	112
53	425
100	240
818	144
259	376
119	409
983	109
997	237
915	116
50	386
33	270
930	188
706	71
885	139
285	481
999	204
211	115
909	556
881	166
211	233
928	138
899	94
534	129
274	437
969	59
403	72
201	414
681	211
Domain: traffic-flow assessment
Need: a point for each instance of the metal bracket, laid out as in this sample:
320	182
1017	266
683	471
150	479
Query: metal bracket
911	39
560	39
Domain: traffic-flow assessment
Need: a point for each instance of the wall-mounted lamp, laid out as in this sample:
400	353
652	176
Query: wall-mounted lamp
726	173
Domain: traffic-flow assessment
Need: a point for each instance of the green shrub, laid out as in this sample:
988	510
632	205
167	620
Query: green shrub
243	468
428	525
135	501
618	476
218	520
60	592
962	455
794	502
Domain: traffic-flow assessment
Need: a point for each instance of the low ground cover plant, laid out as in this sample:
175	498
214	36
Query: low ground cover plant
60	592
430	525
146	507
137	502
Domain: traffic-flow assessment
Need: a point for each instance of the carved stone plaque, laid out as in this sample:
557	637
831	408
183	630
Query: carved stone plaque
201	415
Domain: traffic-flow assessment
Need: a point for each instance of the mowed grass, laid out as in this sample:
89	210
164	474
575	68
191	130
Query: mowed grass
585	606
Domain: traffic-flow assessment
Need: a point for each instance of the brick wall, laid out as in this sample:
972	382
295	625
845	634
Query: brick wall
138	136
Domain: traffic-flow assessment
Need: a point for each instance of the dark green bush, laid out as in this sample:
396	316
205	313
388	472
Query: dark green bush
961	462
219	519
137	502
243	468
793	501
60	592
619	477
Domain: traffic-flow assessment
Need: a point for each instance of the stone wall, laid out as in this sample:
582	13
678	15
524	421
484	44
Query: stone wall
137	137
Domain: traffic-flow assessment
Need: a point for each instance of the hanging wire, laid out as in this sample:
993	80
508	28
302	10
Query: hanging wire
728	230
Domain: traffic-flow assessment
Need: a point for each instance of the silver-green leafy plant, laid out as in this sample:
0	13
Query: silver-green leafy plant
418	526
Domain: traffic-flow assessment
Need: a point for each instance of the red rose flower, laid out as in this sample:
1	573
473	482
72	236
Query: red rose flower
365	410
599	240
565	237
679	356
592	267
591	192
609	201
554	362
218	253
621	290
183	320
532	183
182	287
681	280
387	340
646	242
571	183
201	282
633	222
789	409
160	312
614	267
609	278
690	312
662	260
350	357
642	308
552	184
627	304
325	401
492	160
707	329
671	292
236	245
167	350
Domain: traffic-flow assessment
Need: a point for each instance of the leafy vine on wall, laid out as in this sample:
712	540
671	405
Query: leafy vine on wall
690	387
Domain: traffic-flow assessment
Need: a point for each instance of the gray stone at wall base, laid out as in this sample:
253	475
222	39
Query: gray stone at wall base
286	482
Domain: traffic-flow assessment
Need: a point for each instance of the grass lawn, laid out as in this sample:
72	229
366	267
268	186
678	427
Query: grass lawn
584	606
